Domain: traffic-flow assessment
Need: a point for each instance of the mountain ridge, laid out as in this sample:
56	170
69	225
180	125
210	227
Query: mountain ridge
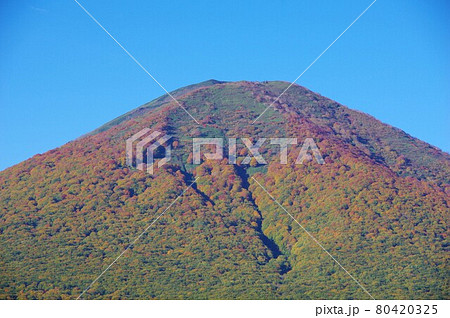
184	91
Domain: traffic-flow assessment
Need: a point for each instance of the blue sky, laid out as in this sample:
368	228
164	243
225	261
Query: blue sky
61	76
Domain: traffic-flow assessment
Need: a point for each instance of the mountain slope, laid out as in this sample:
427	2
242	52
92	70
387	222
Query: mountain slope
379	205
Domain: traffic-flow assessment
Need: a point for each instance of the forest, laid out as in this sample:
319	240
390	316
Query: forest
379	204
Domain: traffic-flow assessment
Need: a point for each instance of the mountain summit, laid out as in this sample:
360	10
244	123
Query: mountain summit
379	205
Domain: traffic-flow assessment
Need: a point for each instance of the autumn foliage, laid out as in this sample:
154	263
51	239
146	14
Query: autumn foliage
379	205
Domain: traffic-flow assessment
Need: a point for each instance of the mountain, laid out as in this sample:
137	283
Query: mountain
379	205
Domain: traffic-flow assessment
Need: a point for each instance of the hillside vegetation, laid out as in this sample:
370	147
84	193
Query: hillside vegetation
379	205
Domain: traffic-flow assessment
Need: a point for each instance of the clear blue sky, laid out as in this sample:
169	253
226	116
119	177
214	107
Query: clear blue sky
61	76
